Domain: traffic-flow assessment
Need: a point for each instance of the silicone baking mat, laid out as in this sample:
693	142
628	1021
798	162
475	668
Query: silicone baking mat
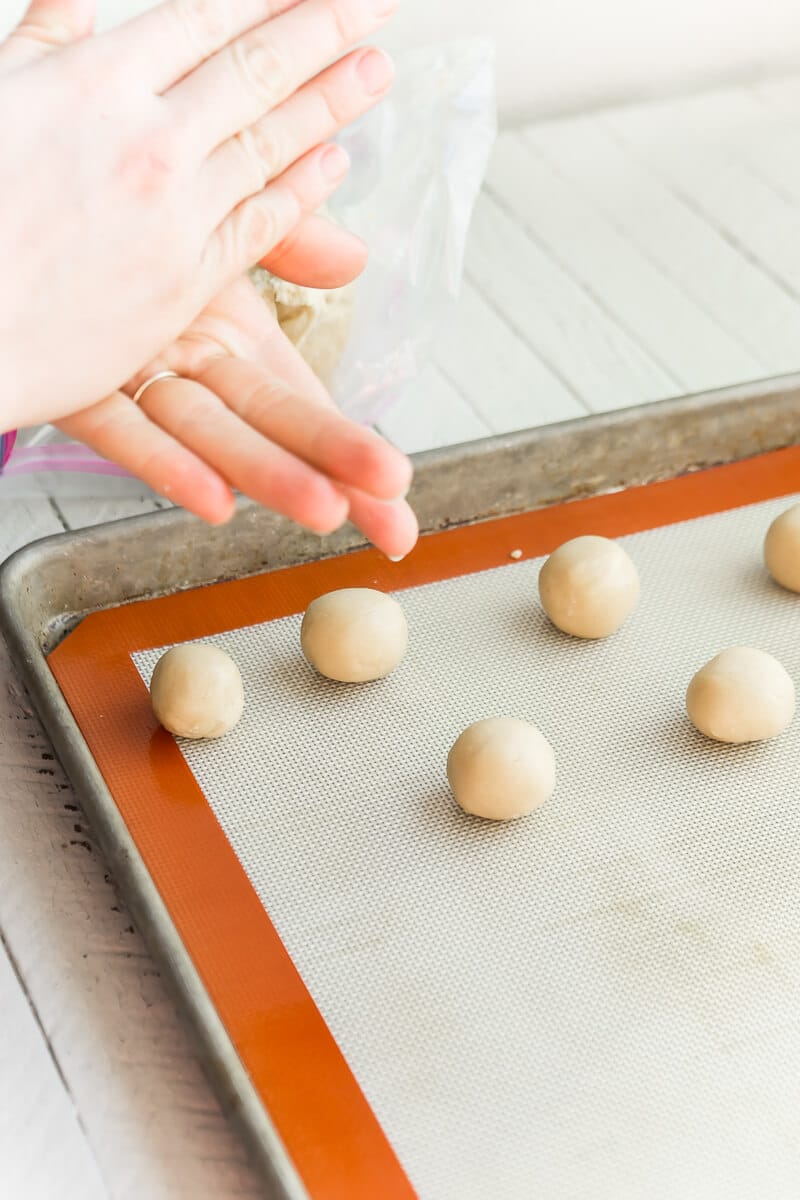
599	1001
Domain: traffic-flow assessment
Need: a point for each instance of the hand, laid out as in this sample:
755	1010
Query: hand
154	165
249	413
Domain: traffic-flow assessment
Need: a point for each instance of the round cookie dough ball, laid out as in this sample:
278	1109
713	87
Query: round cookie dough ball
354	635
588	587
782	549
742	695
197	691
501	768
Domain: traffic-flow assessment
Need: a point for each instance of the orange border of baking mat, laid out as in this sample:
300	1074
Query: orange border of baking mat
322	1117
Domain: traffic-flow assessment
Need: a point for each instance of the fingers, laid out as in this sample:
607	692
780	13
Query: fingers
197	418
318	434
318	254
392	528
175	37
278	356
262	223
255	74
244	164
119	430
47	25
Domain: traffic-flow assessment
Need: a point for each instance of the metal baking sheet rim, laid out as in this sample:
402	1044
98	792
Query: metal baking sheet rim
47	587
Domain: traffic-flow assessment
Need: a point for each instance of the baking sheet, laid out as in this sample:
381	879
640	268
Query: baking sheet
42	596
601	1000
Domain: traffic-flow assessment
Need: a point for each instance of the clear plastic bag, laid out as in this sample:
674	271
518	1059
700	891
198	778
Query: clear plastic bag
418	163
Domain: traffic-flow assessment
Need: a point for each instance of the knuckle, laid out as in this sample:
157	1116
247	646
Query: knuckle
285	246
317	505
201	413
148	164
333	107
258	230
265	401
156	467
263	150
367	457
263	67
100	420
91	81
347	21
37	30
207	23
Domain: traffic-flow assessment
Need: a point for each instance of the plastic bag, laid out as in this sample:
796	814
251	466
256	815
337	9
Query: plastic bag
418	163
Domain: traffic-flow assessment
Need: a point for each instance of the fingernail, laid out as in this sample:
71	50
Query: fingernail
398	559
335	163
376	71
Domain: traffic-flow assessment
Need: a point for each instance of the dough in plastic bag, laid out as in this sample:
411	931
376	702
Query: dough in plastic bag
316	321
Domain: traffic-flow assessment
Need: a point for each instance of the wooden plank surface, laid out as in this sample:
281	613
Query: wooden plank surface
44	1151
504	381
111	1046
634	292
43	1147
781	95
768	139
79	512
756	310
431	413
683	144
25	521
565	326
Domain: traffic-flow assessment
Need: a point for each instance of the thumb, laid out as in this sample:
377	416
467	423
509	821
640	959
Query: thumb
47	25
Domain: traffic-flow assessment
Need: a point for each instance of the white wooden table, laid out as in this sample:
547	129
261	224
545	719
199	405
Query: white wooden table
615	259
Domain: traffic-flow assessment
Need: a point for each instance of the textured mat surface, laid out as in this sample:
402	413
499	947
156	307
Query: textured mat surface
602	1000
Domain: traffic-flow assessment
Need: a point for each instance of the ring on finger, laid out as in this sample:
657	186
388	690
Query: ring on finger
148	383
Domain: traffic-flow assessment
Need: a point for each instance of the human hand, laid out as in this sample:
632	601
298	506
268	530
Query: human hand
154	165
249	413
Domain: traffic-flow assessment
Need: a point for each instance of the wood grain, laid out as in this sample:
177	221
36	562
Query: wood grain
112	1047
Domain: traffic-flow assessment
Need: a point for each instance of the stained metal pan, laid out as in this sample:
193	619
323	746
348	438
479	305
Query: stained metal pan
48	587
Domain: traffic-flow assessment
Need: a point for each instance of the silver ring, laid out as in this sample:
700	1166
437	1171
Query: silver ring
148	383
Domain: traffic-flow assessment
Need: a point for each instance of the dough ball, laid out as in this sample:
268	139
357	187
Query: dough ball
197	691
742	695
501	769
588	587
316	321
782	549
354	635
